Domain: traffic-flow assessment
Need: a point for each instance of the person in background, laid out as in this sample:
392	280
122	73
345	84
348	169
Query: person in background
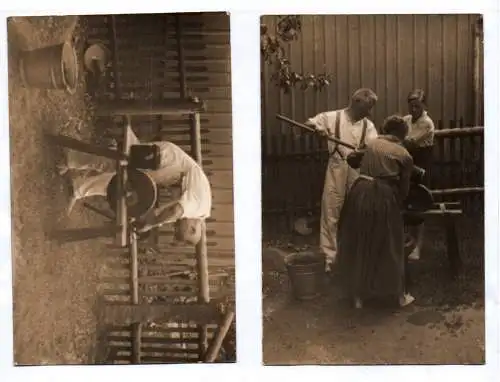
371	257
350	125
419	142
89	175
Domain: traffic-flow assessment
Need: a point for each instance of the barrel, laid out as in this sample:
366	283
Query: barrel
306	272
51	67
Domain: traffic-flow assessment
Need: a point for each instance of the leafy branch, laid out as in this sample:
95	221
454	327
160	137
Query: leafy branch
272	48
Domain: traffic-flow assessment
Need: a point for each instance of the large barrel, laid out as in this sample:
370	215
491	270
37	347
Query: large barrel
51	67
306	272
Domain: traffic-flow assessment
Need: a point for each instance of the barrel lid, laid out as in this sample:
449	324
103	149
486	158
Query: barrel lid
96	53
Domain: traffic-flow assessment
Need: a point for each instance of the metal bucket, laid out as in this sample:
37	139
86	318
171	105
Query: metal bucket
52	67
306	272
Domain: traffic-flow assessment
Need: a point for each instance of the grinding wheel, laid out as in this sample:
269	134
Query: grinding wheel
142	193
419	198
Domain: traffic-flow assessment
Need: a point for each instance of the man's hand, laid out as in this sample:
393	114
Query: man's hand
142	226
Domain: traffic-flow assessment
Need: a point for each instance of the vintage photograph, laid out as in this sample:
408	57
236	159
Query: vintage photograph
122	189
372	189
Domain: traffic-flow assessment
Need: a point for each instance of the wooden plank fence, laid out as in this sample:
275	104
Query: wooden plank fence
293	174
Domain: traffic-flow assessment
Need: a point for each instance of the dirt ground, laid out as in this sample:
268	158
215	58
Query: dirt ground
444	326
55	286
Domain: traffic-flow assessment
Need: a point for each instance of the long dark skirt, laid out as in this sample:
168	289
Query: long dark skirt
371	241
423	157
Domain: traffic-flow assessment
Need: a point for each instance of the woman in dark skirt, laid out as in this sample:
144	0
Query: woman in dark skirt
420	143
371	232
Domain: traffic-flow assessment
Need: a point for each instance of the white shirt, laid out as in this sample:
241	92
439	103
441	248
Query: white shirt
421	131
349	132
196	197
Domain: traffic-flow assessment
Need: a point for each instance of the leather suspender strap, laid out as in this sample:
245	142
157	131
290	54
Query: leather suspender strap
337	135
362	143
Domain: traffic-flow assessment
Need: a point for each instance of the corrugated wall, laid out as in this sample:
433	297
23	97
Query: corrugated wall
391	54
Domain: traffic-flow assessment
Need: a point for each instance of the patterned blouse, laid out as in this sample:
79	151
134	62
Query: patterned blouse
421	131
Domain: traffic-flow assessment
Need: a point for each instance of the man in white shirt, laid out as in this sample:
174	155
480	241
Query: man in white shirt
90	176
350	125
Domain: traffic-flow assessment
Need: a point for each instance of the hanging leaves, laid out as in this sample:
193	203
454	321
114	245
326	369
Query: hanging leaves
273	52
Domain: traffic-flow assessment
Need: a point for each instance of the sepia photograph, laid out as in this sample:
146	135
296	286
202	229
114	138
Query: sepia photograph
121	189
372	134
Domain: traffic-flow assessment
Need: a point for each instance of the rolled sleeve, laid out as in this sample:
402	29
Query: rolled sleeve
320	121
371	133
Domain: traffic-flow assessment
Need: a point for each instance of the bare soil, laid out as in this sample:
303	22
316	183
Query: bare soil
55	286
444	326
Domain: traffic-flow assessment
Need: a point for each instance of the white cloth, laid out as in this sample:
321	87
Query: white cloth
339	176
175	163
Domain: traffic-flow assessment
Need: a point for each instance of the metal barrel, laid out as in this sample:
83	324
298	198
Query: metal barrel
51	67
306	272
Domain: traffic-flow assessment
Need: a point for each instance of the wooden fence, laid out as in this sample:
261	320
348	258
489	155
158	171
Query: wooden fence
391	54
168	56
293	174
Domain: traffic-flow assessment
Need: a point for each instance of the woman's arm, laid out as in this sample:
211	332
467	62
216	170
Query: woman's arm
424	132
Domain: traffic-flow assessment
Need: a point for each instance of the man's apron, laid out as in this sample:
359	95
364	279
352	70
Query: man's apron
339	178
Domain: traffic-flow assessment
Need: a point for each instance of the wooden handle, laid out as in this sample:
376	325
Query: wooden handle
305	127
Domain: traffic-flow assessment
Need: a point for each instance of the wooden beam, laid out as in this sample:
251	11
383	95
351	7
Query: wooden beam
77	145
434	212
457	191
463	131
216	343
81	234
98	211
127	314
162	107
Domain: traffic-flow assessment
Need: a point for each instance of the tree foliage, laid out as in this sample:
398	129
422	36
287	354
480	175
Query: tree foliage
272	47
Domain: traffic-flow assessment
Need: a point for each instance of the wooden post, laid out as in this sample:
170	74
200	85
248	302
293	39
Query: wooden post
134	269
136	328
452	246
121	202
201	247
216	344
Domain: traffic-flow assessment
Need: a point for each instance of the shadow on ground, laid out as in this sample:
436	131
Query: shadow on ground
55	286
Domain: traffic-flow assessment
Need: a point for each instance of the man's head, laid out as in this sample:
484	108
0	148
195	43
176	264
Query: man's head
395	125
188	230
416	103
362	102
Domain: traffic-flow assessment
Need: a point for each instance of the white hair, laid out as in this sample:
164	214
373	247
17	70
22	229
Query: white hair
364	95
